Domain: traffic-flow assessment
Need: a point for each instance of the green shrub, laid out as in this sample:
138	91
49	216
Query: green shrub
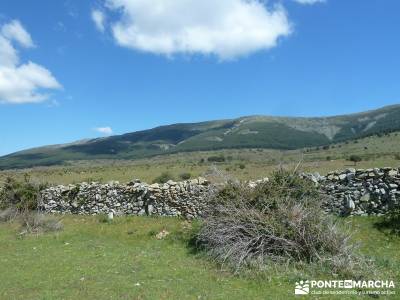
185	176
391	220
23	195
355	159
397	156
163	178
284	184
278	222
242	166
217	158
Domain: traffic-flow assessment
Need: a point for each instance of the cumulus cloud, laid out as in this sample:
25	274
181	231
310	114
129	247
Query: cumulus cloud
104	130
21	83
15	31
224	28
309	2
98	18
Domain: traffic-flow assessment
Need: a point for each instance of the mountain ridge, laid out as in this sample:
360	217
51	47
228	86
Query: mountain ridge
257	131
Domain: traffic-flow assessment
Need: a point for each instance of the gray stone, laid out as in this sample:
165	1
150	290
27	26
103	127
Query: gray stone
357	192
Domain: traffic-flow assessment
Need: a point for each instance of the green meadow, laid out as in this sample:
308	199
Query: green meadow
125	260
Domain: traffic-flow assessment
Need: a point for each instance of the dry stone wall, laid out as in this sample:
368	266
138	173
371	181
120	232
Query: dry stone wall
349	192
359	192
135	198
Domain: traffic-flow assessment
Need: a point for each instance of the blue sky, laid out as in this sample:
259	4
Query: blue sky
70	75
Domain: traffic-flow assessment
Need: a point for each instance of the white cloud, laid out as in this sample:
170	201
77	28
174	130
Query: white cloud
309	2
21	83
15	31
98	18
104	130
8	54
225	28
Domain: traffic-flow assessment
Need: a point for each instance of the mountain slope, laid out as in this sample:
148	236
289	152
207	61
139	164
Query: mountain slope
245	132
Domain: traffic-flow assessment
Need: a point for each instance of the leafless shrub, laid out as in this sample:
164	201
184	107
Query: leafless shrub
33	222
218	177
8	214
245	227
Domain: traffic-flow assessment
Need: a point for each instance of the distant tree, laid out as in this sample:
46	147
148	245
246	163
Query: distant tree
328	158
185	176
326	147
163	178
219	158
355	159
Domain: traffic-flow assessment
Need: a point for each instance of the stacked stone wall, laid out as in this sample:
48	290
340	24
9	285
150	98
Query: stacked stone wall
349	192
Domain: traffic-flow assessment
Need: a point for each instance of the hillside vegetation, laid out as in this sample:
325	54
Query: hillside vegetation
245	164
281	133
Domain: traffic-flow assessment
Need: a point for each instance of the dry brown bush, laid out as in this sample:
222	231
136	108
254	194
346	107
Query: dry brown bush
8	214
33	222
280	221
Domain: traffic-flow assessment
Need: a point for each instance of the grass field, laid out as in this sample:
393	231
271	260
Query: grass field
124	260
244	164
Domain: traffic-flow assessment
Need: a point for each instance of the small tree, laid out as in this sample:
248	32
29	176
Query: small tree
185	176
355	159
163	178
